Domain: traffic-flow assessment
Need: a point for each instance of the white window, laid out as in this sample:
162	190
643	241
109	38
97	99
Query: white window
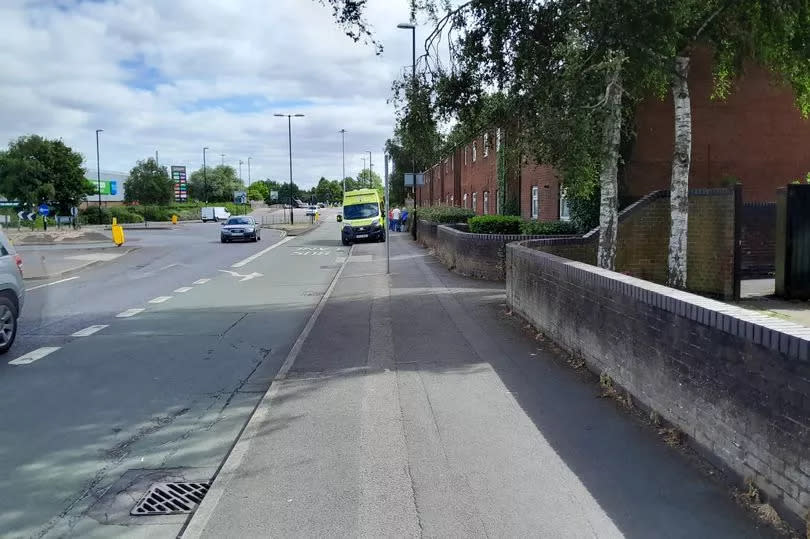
498	140
452	200
475	202
535	202
486	202
475	151
498	208
565	211
465	155
464	200
486	144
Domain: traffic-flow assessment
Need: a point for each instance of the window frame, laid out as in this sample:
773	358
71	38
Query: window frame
486	144
564	204
475	201
535	204
486	203
474	151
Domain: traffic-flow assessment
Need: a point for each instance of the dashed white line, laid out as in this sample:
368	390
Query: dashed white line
86	332
128	313
182	289
167	267
160	299
34	355
253	257
51	284
201	281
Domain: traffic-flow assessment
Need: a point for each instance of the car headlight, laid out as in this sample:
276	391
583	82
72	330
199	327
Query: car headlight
347	225
250	229
375	222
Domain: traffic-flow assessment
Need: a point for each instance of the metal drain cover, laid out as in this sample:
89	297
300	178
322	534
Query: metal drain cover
171	498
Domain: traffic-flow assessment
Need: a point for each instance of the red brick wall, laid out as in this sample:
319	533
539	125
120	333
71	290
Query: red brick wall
756	135
544	177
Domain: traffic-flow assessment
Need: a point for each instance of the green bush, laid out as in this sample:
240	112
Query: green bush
547	228
495	224
103	216
123	215
444	214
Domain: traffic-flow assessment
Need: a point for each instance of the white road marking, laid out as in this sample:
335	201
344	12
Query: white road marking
340	259
34	355
51	284
169	266
243	278
86	332
128	313
201	281
183	289
160	299
253	257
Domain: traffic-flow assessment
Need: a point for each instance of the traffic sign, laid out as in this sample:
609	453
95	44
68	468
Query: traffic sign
44	210
26	215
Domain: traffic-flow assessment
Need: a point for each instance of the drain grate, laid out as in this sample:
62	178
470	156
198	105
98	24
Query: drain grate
171	498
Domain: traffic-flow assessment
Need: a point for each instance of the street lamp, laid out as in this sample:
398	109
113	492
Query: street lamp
412	28
98	173
343	145
289	138
249	158
370	181
240	170
222	155
205	178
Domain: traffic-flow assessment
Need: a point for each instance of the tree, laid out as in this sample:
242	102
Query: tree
285	192
35	170
328	191
216	185
368	179
149	183
258	191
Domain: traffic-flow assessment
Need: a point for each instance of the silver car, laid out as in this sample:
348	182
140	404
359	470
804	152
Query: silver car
12	292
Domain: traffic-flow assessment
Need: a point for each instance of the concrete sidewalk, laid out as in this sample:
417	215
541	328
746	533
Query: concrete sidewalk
417	407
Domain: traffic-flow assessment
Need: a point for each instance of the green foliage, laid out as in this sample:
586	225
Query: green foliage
217	184
328	191
258	191
148	183
806	179
154	213
368	179
35	170
495	224
94	215
444	214
285	192
547	228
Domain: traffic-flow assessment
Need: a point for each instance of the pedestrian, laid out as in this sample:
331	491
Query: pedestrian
397	214
391	219
404	218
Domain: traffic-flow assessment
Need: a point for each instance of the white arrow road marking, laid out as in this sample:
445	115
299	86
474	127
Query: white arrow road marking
243	278
128	313
160	299
183	289
86	332
201	281
34	355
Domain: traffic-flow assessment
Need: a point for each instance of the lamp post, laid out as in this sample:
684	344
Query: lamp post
240	170
222	156
370	181
249	158
412	28
98	173
289	139
205	178
343	146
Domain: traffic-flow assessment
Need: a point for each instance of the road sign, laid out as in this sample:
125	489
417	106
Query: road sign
414	179
180	183
44	210
273	195
9	203
108	187
26	215
239	197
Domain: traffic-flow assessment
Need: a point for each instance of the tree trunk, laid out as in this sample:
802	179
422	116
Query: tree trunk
681	161
611	136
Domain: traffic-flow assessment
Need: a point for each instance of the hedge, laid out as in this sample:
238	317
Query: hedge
95	215
444	214
547	228
495	224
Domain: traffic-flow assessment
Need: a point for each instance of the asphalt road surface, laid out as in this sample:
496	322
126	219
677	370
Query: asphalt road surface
146	369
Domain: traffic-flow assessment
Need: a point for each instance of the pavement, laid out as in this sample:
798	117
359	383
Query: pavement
413	405
757	295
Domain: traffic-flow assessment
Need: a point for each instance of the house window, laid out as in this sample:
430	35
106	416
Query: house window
565	211
464	200
535	202
446	166
475	151
465	155
452	200
486	202
498	208
486	144
498	140
475	202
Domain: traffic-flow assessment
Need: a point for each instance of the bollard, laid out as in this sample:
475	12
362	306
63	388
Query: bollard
174	219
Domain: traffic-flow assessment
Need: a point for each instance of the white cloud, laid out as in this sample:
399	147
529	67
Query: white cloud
140	70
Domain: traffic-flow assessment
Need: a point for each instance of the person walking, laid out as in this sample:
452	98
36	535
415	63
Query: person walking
391	219
397	214
404	218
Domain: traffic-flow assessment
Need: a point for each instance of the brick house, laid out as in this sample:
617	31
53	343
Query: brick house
756	136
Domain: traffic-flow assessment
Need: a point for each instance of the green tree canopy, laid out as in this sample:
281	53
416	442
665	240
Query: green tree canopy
328	190
35	170
149	183
216	185
368	179
258	191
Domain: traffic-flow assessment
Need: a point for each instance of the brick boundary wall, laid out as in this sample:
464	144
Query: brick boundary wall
758	240
736	382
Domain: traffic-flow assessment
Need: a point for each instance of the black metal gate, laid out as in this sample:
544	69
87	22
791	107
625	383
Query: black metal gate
793	242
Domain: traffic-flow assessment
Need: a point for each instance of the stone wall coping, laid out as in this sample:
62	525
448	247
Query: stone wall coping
790	339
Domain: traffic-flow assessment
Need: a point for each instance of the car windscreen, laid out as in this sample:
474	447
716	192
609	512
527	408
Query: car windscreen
238	221
361	211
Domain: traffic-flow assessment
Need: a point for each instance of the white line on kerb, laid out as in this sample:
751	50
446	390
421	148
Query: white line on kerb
34	355
86	332
160	299
51	284
182	289
201	281
253	257
128	313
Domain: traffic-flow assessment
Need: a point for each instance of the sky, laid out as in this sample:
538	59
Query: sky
178	75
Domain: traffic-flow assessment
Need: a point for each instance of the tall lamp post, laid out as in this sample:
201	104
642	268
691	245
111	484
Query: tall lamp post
370	181
205	178
412	28
249	158
289	139
98	173
343	146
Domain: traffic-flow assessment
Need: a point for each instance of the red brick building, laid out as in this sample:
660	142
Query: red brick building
757	136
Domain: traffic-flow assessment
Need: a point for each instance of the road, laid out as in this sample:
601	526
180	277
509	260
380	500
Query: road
146	368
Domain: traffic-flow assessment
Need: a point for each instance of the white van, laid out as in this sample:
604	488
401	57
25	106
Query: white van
214	213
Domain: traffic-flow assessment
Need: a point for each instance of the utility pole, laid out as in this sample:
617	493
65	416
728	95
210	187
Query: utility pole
364	168
387	209
343	145
222	155
205	178
289	138
98	174
249	158
240	170
412	28
370	181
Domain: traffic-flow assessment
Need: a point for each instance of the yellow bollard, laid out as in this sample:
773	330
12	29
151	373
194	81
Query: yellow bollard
117	233
174	219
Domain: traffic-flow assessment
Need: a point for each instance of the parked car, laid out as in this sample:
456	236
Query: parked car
244	228
12	292
312	210
214	213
